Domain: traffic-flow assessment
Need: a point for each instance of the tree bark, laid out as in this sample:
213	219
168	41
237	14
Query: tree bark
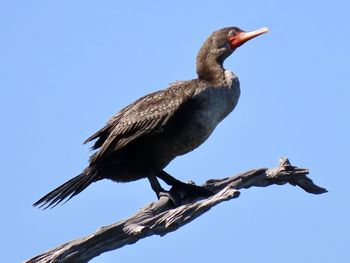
161	217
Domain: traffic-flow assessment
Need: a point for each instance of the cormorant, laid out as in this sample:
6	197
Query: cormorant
144	137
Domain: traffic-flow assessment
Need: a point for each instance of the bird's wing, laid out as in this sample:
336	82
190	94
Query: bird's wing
148	115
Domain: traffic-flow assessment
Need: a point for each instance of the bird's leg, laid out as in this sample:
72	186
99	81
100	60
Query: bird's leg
188	189
158	189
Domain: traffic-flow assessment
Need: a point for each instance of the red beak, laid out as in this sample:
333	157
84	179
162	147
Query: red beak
241	37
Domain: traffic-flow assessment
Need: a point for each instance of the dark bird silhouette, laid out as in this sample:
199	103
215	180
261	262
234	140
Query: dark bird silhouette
144	137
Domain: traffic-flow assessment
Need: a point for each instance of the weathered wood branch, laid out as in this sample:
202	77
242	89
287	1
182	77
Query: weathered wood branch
161	217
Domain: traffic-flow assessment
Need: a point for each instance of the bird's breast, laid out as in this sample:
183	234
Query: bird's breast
215	103
212	105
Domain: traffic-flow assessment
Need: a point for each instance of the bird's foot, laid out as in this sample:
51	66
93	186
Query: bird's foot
190	190
181	191
172	196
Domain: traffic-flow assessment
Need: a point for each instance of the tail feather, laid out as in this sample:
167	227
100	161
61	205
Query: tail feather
67	190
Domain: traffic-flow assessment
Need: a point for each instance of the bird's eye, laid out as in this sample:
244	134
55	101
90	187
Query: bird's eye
232	33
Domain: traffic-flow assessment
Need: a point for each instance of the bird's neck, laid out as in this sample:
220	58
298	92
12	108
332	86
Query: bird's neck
209	68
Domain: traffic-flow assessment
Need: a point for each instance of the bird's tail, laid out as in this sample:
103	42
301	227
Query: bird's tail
69	189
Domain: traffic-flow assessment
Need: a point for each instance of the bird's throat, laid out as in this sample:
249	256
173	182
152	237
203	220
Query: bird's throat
209	69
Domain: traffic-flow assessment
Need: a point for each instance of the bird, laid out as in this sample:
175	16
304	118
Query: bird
144	137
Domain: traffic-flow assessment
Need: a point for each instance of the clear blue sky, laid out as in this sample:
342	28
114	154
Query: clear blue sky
67	66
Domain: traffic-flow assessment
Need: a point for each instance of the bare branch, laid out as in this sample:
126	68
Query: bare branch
161	217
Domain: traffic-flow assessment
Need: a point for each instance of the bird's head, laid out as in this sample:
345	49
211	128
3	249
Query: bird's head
222	43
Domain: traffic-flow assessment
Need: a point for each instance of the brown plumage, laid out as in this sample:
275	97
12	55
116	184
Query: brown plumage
140	140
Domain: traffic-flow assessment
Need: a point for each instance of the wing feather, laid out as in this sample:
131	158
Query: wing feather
148	115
